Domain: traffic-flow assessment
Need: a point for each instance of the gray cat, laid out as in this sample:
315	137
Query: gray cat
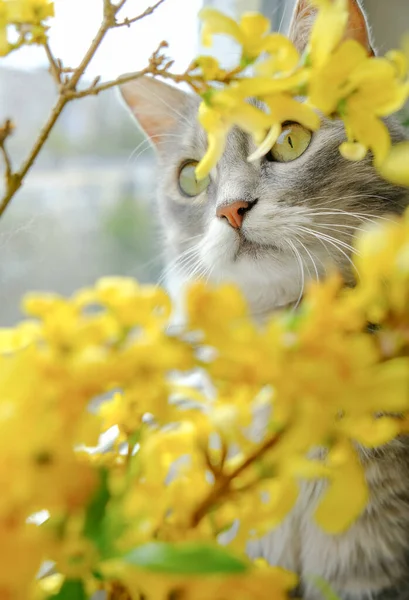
269	226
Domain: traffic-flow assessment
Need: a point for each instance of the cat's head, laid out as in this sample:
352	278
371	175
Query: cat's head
270	225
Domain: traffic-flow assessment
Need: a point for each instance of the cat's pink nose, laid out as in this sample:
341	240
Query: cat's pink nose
233	212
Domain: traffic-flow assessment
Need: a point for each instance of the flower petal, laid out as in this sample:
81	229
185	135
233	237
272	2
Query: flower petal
353	151
328	29
395	168
214	152
264	86
254	25
284	108
284	56
267	143
327	85
371	432
215	22
346	497
369	131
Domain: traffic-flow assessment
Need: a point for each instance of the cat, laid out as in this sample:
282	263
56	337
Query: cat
269	227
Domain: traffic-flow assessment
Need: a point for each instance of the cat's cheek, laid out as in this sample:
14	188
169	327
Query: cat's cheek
219	247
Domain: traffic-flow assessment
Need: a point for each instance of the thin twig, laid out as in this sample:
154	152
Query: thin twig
5	132
128	22
7	161
68	91
107	23
222	484
94	90
54	68
120	5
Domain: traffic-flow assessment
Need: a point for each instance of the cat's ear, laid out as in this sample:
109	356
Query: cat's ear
304	16
157	106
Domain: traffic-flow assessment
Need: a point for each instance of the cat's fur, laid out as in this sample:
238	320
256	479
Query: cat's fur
319	191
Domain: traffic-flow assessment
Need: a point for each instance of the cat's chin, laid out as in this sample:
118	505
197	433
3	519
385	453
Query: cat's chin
269	279
223	246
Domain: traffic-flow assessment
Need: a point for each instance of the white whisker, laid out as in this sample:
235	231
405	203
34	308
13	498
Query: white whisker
301	265
311	258
335	243
330	237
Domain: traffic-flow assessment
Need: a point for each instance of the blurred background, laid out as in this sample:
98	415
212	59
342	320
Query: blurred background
86	209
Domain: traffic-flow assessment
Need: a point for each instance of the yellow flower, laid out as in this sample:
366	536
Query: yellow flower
229	107
209	67
329	82
362	89
369	132
250	32
212	309
283	58
19	337
395	167
226	111
259	582
217	129
347	495
282	108
23	547
328	29
4	44
29	11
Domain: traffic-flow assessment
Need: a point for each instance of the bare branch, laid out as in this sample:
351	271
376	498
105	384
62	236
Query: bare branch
120	5
128	22
94	90
5	131
17	178
67	81
7	161
55	68
223	482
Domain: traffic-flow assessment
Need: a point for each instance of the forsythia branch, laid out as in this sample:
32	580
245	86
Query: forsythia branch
55	68
223	480
128	22
67	91
5	131
158	65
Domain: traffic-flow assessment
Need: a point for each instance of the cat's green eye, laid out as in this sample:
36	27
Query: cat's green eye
292	143
188	184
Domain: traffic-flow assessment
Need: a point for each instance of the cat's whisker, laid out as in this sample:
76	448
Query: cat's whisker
340	226
184	263
197	273
334	239
172	109
147	147
311	258
283	16
179	262
209	273
328	201
302	274
163	255
334	211
147	142
144	142
335	243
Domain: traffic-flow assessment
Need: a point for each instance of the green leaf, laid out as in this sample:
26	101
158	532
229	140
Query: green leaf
324	587
96	509
186	559
101	526
71	589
